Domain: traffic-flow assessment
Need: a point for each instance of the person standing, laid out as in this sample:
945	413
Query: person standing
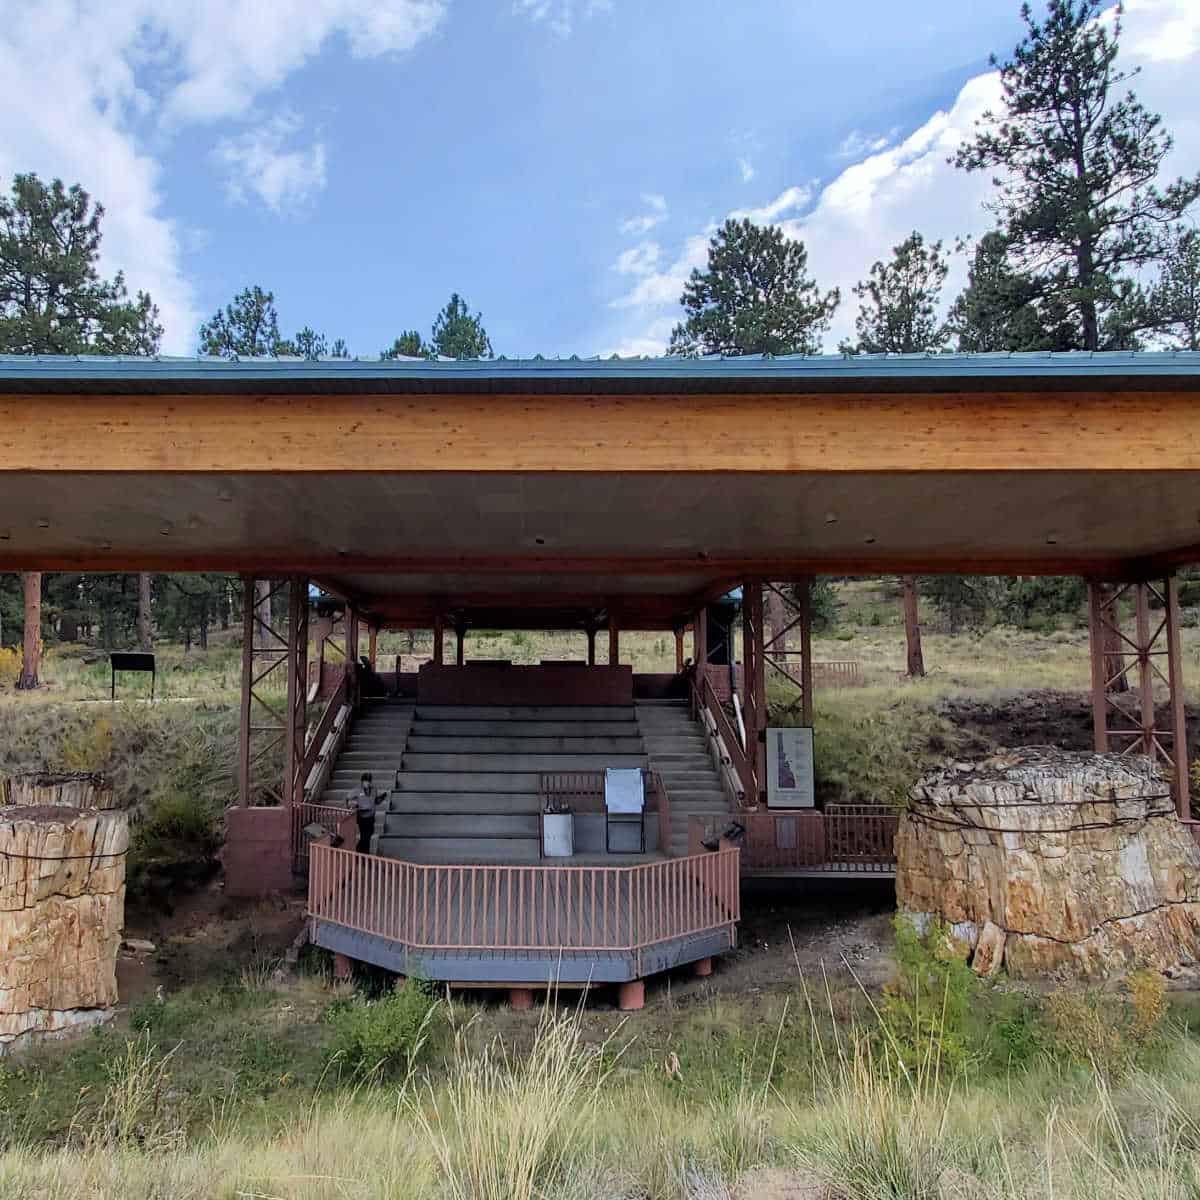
364	808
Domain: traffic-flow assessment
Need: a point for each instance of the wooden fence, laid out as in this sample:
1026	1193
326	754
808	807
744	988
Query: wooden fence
451	908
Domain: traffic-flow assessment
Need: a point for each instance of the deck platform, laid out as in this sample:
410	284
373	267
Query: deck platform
524	925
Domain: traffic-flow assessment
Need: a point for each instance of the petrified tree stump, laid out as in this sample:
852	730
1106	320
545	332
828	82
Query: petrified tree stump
1053	862
62	908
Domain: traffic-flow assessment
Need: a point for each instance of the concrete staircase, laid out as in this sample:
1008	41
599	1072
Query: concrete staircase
463	781
675	748
376	744
468	787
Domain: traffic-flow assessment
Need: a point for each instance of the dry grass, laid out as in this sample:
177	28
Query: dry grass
562	1124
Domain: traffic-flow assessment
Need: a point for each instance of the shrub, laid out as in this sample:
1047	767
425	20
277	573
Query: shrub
384	1036
90	748
926	1008
10	666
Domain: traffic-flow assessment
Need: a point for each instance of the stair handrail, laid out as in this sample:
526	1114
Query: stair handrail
324	743
735	766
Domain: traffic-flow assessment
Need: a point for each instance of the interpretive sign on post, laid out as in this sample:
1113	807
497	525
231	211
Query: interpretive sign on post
132	662
790	768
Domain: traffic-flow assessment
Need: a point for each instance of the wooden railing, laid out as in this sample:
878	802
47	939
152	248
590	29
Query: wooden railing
443	909
724	745
583	792
849	838
322	746
835	672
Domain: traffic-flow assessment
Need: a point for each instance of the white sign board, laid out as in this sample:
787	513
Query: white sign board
790	768
624	791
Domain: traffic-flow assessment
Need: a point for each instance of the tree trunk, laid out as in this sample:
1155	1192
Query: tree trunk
912	628
68	628
145	634
33	631
262	604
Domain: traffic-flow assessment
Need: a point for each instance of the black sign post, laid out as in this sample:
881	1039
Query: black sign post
132	662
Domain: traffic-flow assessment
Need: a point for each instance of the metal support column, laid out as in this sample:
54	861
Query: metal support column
754	682
794	665
1152	722
274	677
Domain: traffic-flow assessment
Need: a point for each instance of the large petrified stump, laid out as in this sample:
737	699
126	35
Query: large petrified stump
1048	861
62	908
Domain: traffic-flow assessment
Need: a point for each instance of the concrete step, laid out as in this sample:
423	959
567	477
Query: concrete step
521	729
418	744
461	825
520	762
467	781
461	850
464	802
547	712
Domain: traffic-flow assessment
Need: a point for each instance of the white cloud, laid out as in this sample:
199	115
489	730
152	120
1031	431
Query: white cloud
874	204
746	167
856	144
94	86
264	160
638	260
655	214
559	16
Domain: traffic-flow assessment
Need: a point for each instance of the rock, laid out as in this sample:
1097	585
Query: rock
62	907
1077	862
138	946
989	950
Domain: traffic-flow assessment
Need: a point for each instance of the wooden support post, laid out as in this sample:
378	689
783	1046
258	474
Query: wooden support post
591	644
520	999
351	636
702	967
460	645
614	642
372	646
1179	747
804	596
249	597
700	638
438	640
678	651
1096	644
343	968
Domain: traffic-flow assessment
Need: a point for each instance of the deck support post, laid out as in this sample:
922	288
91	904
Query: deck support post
1121	722
343	968
520	999
591	644
460	644
297	684
700	638
702	968
614	642
372	645
631	996
776	654
438	640
754	684
678	651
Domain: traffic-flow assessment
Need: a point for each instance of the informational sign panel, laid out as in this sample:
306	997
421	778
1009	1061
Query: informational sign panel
790	768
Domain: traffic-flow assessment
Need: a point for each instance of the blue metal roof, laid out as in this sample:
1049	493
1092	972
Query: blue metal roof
811	370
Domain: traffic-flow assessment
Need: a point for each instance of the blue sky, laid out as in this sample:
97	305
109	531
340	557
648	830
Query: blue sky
559	162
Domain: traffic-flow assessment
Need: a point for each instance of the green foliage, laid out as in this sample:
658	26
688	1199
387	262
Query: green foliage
408	345
926	1009
385	1036
248	327
1074	159
898	303
52	299
459	334
981	601
1175	298
755	297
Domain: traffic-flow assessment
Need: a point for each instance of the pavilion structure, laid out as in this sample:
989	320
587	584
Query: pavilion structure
600	496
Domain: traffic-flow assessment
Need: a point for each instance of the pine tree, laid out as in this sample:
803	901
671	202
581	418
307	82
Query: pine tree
1076	160
52	298
898	303
248	327
755	297
458	334
1174	300
408	345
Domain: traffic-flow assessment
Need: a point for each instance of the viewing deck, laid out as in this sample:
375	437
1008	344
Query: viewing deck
512	925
